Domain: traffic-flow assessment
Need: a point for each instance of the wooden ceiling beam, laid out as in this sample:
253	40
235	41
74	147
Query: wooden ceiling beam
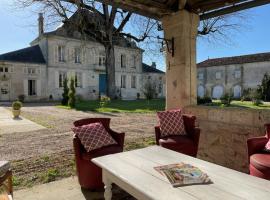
204	6
234	8
156	11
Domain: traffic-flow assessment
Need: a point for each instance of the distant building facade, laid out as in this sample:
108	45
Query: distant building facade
38	72
231	74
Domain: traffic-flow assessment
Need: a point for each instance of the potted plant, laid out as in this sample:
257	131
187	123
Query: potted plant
16	108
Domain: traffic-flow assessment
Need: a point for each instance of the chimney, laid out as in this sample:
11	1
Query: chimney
154	65
40	24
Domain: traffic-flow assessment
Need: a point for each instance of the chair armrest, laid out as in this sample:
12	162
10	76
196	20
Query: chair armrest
77	147
195	135
158	134
256	144
119	137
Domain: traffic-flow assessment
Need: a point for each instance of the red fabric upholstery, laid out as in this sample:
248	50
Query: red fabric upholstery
187	144
259	160
90	175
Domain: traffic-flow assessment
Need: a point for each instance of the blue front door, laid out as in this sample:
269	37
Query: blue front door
102	84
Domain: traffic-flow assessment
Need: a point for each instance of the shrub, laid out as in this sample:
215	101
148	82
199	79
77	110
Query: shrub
21	97
264	89
256	97
104	100
79	98
226	99
246	96
149	90
203	100
16	105
65	92
71	94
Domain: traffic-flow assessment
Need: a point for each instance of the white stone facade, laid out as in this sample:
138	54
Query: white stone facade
69	57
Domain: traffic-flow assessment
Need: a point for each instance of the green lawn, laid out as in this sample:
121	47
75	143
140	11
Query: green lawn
118	106
241	104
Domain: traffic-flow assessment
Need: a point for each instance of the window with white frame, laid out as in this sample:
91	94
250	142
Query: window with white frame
61	53
78	79
200	76
123	81
160	88
133	82
218	75
123	61
4	69
237	74
101	60
134	61
62	77
77	52
31	70
32	88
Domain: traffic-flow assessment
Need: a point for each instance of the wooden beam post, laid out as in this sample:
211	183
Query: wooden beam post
181	72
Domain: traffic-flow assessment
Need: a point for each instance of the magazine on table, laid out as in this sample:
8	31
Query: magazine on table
182	174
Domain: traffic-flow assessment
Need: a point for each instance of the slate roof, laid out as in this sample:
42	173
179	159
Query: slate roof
149	69
31	54
260	57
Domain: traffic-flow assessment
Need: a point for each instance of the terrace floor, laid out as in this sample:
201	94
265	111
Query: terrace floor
66	189
10	125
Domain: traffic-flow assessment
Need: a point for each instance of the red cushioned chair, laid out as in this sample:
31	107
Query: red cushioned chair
187	144
90	175
259	160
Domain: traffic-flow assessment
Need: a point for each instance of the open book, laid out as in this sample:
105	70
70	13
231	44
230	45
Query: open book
182	174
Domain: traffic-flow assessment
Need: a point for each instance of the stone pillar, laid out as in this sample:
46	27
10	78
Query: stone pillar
181	72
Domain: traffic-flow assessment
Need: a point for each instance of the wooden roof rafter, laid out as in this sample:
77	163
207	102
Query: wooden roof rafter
205	8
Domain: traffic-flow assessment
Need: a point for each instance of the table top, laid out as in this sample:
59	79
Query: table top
135	168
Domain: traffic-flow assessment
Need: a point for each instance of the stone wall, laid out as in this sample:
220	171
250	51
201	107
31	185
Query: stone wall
224	132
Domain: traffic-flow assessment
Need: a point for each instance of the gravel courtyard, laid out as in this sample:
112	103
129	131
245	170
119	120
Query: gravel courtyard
34	153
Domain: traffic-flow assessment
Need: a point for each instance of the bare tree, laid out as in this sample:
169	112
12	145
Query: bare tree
223	28
112	24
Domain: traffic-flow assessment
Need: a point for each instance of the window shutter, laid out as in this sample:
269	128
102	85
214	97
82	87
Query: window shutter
25	87
56	79
56	54
38	88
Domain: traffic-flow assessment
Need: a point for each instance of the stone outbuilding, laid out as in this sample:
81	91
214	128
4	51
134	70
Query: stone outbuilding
231	74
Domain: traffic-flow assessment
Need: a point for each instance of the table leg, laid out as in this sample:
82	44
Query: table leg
10	187
107	187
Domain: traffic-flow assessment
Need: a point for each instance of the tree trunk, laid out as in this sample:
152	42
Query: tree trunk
110	71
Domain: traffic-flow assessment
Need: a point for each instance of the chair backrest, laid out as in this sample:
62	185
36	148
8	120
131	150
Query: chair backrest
104	121
267	130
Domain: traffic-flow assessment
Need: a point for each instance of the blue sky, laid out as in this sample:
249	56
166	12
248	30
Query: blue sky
20	28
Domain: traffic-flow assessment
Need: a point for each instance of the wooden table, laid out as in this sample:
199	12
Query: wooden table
133	171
